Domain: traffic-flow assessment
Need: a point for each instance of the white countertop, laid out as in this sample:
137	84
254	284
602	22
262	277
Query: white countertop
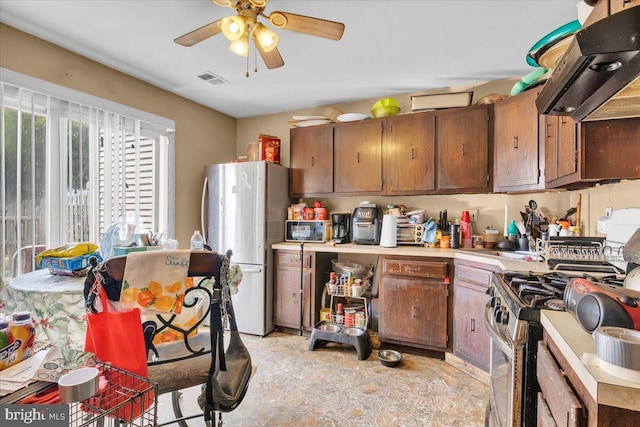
484	256
573	342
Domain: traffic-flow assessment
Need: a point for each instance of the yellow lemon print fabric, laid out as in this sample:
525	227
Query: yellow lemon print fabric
156	281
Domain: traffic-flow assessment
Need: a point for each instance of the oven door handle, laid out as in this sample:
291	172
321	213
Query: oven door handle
504	345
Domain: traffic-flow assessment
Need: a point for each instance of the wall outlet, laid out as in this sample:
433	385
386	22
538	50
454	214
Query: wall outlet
473	215
608	211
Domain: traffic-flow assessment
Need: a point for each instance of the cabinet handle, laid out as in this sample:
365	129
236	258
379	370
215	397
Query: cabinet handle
414	312
413	153
563	121
473	325
548	126
312	161
358	157
515	142
463	149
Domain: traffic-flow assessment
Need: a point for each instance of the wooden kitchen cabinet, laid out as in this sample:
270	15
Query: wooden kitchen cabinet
518	158
313	271
414	301
311	157
579	154
471	341
465	149
606	8
409	154
557	402
561	148
358	158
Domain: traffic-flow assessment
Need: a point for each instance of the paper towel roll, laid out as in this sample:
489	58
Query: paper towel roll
389	234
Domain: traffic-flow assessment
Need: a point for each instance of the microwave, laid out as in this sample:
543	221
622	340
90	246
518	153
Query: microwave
307	231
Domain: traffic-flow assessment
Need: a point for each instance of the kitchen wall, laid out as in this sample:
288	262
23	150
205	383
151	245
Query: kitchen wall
203	136
491	206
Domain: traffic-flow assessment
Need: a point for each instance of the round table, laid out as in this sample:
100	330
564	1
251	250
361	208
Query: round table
56	304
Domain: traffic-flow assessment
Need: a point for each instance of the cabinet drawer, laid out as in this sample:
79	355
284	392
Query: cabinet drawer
292	259
565	407
430	270
473	275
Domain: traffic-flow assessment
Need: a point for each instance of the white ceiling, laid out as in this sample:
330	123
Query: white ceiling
388	47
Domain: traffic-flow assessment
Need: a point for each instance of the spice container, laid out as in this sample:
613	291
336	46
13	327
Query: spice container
349	317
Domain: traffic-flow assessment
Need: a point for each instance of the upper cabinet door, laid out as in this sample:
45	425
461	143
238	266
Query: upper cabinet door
517	162
311	161
409	154
464	144
358	157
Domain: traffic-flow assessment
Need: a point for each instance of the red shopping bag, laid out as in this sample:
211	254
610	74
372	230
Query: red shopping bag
117	338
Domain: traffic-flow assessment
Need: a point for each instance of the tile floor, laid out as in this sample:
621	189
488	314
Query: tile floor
331	387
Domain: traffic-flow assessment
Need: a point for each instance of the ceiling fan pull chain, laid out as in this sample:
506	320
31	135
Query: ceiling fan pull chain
247	73
255	58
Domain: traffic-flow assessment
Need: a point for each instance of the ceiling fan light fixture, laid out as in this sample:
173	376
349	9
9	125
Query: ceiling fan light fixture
265	37
233	27
241	46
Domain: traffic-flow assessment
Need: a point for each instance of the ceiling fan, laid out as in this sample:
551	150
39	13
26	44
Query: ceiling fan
239	28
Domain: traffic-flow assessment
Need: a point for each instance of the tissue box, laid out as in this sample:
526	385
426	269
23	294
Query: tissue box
67	265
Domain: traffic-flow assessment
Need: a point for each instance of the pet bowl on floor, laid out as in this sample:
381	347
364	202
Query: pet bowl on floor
389	358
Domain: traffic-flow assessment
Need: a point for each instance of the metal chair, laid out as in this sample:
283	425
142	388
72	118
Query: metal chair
27	255
187	362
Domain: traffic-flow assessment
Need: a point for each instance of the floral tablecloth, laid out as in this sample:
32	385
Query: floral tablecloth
56	304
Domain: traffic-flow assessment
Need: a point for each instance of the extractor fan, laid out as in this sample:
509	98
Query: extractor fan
239	28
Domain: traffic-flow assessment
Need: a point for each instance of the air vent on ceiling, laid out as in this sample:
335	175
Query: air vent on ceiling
209	77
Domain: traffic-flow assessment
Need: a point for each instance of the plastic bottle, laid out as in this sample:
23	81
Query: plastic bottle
197	242
512	230
465	230
21	329
339	313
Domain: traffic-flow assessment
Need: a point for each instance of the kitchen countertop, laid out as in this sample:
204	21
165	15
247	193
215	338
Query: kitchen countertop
485	256
573	342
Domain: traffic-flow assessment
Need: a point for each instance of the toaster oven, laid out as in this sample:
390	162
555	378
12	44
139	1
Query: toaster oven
410	234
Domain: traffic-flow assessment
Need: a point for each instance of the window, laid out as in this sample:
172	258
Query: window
69	170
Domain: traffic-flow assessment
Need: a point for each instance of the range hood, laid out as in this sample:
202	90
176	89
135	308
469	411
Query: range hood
598	77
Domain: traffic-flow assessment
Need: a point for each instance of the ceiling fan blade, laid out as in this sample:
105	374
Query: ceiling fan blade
307	25
271	59
202	33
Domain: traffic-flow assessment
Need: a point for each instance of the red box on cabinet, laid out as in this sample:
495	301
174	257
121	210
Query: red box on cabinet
269	148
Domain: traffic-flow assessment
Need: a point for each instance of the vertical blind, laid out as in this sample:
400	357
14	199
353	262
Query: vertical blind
68	171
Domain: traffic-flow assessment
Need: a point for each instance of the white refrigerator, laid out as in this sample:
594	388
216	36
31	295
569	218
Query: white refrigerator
244	208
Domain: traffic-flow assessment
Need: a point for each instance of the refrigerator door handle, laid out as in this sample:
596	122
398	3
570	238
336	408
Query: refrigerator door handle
252	270
202	202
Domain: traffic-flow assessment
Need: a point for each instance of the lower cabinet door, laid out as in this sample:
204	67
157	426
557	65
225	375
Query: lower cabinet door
287	298
414	311
471	341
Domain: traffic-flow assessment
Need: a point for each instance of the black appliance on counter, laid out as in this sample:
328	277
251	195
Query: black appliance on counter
366	224
341	227
512	318
596	304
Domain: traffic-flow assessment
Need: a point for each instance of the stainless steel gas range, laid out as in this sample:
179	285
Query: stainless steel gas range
512	317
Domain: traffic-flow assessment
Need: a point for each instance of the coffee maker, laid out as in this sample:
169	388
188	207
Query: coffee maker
340	225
